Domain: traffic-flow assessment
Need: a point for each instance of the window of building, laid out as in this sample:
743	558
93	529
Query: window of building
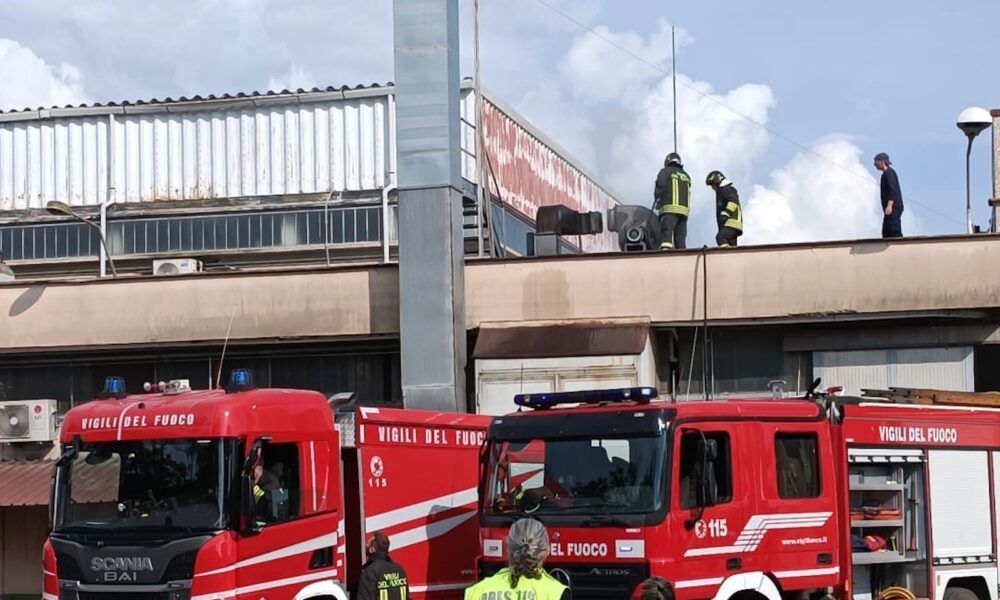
690	468
197	233
277	492
797	464
742	361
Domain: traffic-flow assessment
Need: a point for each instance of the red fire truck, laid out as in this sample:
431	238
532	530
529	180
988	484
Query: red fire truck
256	493
766	499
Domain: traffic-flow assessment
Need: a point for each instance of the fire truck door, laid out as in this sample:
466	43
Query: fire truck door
797	521
293	546
707	523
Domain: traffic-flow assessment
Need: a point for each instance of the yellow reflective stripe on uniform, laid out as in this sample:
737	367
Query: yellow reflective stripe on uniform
735	216
498	587
674	206
258	493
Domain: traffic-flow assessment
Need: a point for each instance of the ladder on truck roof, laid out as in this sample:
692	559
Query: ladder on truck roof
896	395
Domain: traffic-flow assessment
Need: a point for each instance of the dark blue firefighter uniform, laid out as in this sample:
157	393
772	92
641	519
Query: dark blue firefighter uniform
891	223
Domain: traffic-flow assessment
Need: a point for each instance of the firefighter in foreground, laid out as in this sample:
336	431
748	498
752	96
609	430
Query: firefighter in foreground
524	578
728	212
656	588
382	578
671	196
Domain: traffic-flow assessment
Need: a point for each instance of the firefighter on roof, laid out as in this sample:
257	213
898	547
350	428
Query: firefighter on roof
381	577
524	579
728	212
671	196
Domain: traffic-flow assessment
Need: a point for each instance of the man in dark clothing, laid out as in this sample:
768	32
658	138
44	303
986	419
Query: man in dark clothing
381	577
892	198
671	196
728	212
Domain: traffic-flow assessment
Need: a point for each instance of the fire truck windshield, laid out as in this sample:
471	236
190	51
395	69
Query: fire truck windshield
582	475
175	486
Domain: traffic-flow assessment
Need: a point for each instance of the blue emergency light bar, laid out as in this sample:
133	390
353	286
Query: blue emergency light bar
114	387
642	395
240	380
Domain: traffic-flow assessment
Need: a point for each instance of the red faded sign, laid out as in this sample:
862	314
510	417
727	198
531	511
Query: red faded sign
531	174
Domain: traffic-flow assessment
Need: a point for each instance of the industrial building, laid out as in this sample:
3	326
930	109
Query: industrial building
260	231
234	185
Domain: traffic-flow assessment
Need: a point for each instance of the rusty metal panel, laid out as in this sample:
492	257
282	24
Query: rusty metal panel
52	160
194	152
531	172
561	339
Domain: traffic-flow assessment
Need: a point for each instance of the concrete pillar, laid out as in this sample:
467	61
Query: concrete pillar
431	268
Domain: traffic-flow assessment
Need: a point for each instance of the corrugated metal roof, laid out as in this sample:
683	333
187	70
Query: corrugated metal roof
200	98
27	483
284	143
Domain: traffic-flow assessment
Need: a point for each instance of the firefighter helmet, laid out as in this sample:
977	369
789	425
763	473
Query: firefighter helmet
714	178
673	159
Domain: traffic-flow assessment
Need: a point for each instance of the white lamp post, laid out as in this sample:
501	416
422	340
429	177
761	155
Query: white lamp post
971	121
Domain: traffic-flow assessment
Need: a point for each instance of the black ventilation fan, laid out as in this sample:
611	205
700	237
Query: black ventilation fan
14	421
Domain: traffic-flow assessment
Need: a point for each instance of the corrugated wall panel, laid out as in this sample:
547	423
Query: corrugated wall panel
854	370
282	149
334	144
935	368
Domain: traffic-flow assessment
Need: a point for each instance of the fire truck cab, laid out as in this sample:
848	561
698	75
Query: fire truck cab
256	493
752	499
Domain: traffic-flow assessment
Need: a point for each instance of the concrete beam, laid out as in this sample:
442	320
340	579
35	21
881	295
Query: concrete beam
353	302
810	283
801	281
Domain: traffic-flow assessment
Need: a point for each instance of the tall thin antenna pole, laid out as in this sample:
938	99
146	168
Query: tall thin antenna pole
222	359
673	56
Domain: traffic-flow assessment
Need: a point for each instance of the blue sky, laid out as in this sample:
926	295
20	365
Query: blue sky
845	80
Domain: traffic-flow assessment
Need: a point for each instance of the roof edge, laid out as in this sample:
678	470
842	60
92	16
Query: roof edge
228	100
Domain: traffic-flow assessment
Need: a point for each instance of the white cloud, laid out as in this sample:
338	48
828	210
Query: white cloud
31	82
569	128
812	199
710	137
296	77
616	114
597	71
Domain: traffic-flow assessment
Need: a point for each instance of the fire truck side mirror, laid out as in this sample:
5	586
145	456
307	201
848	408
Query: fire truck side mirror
707	490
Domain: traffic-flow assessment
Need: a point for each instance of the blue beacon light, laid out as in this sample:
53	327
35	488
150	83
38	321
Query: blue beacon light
642	395
240	380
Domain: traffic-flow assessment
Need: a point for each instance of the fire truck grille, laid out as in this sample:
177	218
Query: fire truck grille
592	582
181	567
67	568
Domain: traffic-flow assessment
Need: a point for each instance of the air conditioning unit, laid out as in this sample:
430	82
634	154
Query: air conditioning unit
27	421
176	266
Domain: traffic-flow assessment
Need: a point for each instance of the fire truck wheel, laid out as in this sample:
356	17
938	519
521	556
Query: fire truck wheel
959	593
